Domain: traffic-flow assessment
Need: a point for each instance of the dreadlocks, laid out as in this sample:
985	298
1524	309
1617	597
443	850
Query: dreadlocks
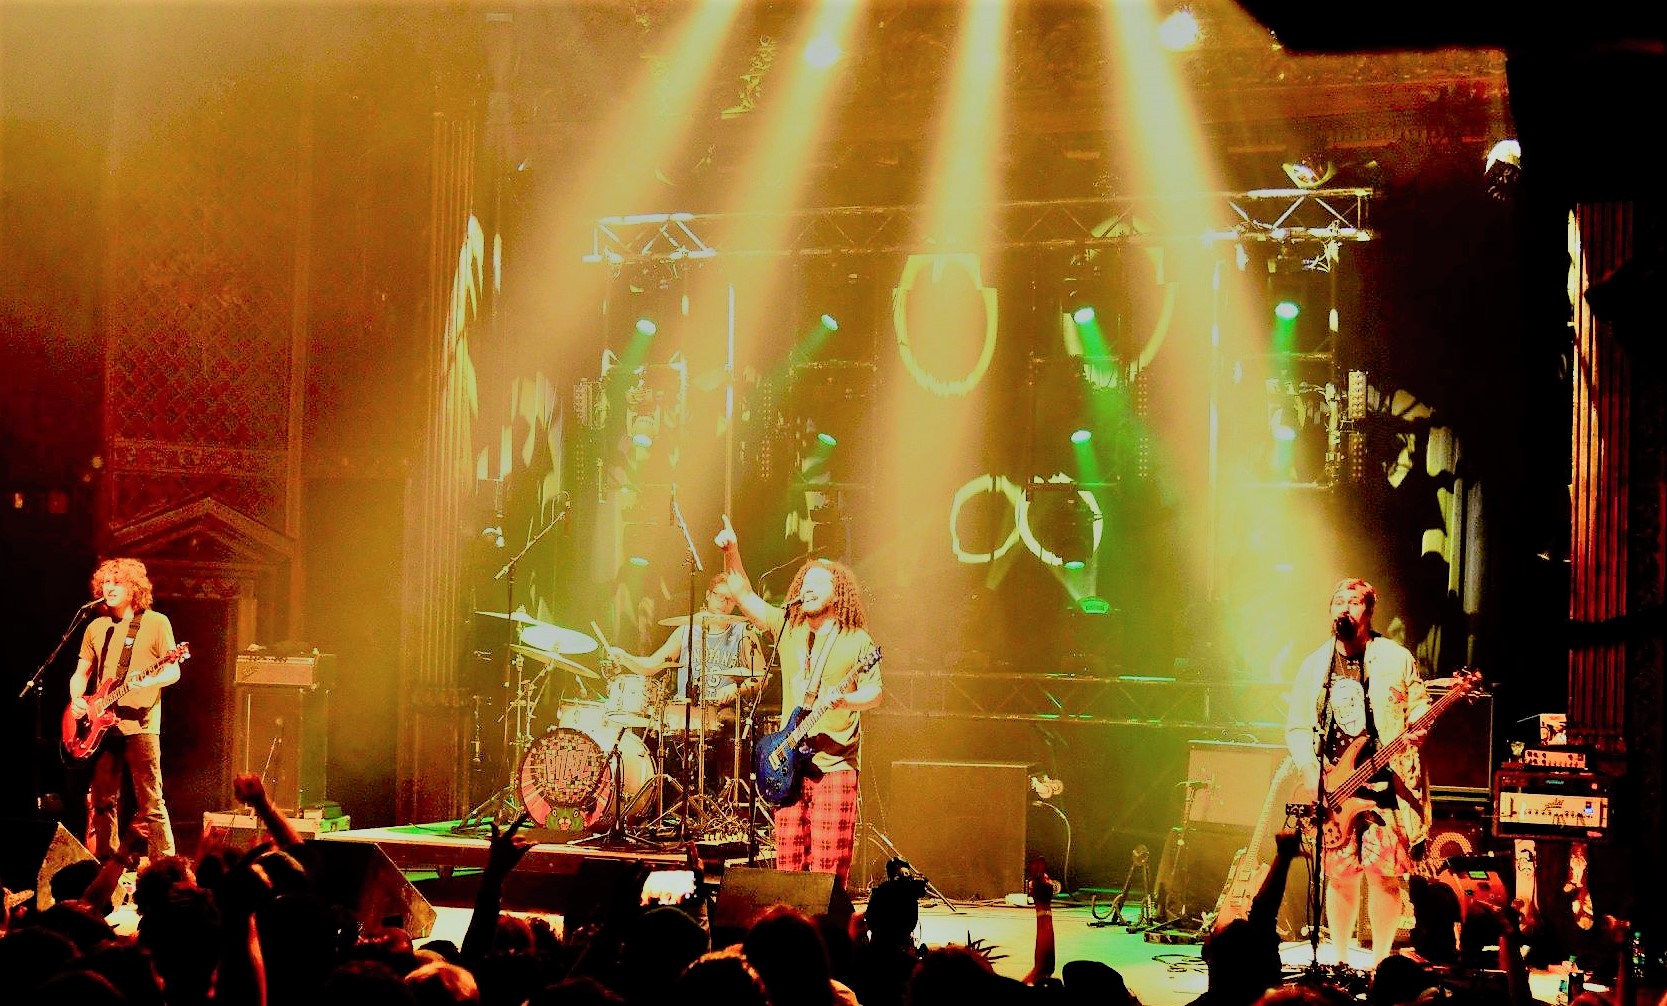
846	606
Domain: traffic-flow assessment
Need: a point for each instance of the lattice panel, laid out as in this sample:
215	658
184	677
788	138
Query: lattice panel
200	277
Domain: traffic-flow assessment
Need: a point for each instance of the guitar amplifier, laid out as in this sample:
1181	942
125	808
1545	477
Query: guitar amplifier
316	671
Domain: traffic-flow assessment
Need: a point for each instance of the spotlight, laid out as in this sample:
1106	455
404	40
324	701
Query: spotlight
637	561
1075	564
827	440
1309	172
1179	30
642	440
1503	169
646	326
822	52
1081	437
1092	605
830	323
1083	315
1287	310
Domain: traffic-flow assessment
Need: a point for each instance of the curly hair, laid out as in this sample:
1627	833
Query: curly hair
846	605
128	571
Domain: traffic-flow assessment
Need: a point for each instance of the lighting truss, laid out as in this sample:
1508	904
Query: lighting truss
1322	217
1086	699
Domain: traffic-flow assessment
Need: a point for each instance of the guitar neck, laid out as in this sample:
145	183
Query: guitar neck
1375	764
133	677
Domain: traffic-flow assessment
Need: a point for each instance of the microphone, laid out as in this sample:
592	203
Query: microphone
1343	627
1195	783
97	602
797	600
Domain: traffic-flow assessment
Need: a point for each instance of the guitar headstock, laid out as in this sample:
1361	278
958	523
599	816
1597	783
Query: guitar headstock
1466	681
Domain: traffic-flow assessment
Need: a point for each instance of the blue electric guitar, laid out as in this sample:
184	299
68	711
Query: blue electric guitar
779	758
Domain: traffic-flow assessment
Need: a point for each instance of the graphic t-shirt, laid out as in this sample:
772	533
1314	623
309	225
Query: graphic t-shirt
1351	718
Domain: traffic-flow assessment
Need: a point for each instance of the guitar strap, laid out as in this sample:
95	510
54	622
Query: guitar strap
126	658
815	661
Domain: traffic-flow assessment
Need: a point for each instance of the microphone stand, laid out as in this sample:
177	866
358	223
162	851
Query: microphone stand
1316	871
504	804
690	688
36	684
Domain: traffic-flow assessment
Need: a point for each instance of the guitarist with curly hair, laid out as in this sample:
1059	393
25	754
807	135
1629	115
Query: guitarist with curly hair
1354	696
830	673
127	639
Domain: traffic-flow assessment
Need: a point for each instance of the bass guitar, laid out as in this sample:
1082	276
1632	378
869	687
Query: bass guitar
82	734
1342	808
779	758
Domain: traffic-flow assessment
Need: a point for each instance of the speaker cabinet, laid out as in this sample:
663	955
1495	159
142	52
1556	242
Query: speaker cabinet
1458	754
1230	781
360	876
32	852
962	824
1459	826
746	893
281	733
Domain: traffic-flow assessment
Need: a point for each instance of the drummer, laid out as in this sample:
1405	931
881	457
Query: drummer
727	645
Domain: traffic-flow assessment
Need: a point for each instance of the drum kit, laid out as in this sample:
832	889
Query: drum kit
615	738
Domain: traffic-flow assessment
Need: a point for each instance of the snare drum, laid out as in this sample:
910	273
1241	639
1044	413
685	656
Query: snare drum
633	701
586	715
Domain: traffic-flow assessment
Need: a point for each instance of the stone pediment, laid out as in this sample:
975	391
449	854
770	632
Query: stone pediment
203	530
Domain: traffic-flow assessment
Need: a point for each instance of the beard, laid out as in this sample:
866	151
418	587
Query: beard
1344	628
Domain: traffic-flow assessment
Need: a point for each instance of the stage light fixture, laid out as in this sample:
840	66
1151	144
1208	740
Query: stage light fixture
646	326
827	440
1503	169
638	561
1083	315
1075	564
642	440
823	51
1092	605
1310	171
1179	31
1080	437
1287	310
830	323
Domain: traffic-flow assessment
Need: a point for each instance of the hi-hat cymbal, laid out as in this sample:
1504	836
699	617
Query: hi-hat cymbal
555	660
708	619
554	638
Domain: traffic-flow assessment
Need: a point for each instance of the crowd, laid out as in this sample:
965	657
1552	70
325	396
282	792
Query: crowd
248	928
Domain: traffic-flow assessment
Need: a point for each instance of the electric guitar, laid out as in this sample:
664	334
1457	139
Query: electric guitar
1342	808
82	734
779	758
1245	876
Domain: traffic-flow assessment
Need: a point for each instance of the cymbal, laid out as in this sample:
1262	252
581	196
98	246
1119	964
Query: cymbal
518	615
554	638
555	660
708	619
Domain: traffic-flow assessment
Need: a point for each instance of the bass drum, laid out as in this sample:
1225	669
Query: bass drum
566	781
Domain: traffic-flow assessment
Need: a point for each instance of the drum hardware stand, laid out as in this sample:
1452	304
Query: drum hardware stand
617	835
504	805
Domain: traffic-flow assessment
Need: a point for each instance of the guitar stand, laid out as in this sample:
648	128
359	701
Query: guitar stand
1147	912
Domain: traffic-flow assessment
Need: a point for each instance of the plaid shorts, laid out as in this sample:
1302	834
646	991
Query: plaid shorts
818	831
1378	849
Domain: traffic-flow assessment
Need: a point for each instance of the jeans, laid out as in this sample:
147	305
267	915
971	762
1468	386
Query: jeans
143	755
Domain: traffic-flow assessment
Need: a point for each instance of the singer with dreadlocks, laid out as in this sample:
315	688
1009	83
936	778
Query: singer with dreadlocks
1363	685
821	637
